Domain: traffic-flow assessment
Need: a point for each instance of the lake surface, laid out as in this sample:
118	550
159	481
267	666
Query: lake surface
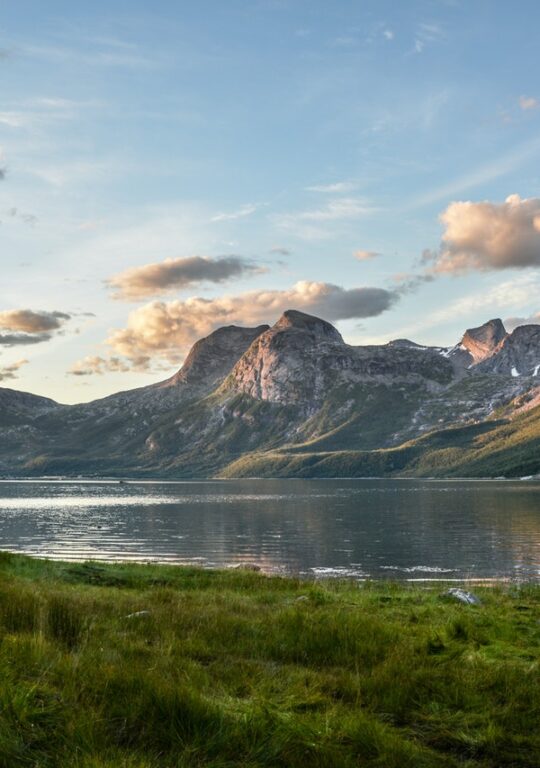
360	528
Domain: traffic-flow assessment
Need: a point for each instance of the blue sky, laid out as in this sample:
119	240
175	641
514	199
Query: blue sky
303	152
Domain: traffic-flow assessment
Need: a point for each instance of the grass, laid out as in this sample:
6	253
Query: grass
156	666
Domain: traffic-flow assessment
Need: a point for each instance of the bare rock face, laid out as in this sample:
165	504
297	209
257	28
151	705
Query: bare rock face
317	328
479	343
286	363
302	358
210	359
518	354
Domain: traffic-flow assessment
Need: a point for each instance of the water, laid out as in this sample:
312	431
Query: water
360	528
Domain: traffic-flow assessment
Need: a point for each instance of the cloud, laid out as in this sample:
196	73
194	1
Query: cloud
3	172
29	321
409	282
428	34
279	250
166	330
499	299
338	187
240	213
99	57
11	371
497	167
388	34
366	255
488	236
308	224
26	326
511	323
23	339
162	277
26	218
528	102
92	365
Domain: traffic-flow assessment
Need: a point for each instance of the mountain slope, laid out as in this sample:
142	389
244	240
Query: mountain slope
296	399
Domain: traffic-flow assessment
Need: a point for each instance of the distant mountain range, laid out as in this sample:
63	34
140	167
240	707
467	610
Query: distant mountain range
296	400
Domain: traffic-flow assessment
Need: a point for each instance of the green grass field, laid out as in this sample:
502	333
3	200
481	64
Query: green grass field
238	669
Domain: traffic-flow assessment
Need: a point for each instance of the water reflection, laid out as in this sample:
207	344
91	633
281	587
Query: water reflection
378	529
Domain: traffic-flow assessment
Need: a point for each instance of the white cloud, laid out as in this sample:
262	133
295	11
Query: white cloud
489	236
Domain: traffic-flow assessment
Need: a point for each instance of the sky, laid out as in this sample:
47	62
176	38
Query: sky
167	168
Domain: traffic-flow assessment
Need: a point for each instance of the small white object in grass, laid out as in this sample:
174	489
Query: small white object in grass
463	596
137	614
515	372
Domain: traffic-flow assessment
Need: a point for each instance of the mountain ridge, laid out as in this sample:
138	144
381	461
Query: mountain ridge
295	389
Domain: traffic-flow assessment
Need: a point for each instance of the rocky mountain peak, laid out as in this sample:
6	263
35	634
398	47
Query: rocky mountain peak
517	355
483	341
319	328
211	358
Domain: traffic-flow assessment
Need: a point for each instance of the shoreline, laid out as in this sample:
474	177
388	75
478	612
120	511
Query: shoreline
336	575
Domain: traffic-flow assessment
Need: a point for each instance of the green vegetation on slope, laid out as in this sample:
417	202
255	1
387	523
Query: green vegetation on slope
233	668
488	449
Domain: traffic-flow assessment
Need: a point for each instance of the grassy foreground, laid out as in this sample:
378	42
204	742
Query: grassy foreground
237	669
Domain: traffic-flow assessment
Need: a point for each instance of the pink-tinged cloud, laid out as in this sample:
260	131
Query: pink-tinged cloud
488	236
166	330
173	274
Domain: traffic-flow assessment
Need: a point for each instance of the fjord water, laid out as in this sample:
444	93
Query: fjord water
400	529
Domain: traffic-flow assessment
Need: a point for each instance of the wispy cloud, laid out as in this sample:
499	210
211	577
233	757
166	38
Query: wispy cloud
95	364
239	213
11	371
498	167
366	255
511	323
338	187
311	224
513	293
428	34
528	102
97	57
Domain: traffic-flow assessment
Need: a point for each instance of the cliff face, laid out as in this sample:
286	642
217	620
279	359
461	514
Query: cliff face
296	386
482	342
517	355
478	344
301	359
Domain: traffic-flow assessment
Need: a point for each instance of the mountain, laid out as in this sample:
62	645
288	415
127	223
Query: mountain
479	343
295	399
